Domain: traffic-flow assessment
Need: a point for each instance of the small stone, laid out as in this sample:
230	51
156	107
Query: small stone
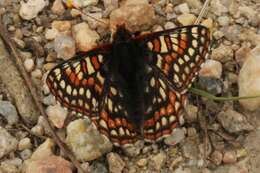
196	4
176	162
20	43
233	121
51	34
249	80
218	8
169	8
115	163
7	142
211	68
135	16
223	20
241	153
85	37
208	23
222	53
242	53
29	65
8	111
57	115
229	157
191	132
142	162
249	13
85	140
97	167
31	8
61	26
38	130
133	150
51	163
158	160
216	157
64	46
26	154
183	8
169	25
190	148
75	12
49	100
80	3
37	73
191	113
186	19
24	143
57	7
176	137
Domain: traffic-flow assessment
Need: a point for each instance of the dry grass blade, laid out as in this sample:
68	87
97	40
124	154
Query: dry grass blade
202	12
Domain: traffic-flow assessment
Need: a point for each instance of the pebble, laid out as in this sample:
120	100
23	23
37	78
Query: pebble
58	7
80	3
49	100
8	143
223	20
208	23
37	73
196	4
51	34
169	25
24	143
142	162
229	157
211	68
136	17
216	157
233	121
133	150
62	26
158	160
57	115
242	53
190	148
115	163
249	13
20	43
218	8
176	162
176	137
85	37
97	167
222	53
186	19
29	65
64	46
49	164
85	141
38	130
249	80
191	114
26	154
183	8
31	8
8	111
212	85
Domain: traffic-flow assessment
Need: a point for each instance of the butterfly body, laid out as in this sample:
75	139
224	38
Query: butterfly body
136	86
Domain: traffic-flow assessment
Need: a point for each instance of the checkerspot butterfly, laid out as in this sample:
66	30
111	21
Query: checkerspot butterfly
135	86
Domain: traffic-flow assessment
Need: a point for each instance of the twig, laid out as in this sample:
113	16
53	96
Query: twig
202	12
19	64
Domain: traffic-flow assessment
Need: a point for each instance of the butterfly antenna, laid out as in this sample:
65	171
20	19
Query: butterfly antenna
202	12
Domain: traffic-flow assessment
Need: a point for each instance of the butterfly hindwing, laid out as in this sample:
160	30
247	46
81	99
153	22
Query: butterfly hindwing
178	53
163	106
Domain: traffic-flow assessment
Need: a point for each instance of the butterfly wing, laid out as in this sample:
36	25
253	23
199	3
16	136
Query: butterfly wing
179	53
163	106
81	85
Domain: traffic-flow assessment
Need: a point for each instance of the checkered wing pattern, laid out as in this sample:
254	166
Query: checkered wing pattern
179	53
79	85
163	106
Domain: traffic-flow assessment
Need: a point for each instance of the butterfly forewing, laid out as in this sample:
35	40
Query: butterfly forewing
178	53
78	83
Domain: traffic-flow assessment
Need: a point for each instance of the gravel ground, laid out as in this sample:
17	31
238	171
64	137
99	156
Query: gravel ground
215	136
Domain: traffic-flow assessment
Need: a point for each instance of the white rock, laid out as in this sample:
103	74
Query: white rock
50	34
186	19
211	68
85	37
176	137
57	115
7	142
44	150
24	143
249	80
29	65
31	8
223	20
115	163
169	25
217	7
183	8
80	3
58	7
85	141
65	47
158	160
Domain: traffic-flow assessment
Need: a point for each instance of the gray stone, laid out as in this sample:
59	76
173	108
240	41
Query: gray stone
9	112
7	142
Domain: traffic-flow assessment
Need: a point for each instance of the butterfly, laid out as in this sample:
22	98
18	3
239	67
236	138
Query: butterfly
134	87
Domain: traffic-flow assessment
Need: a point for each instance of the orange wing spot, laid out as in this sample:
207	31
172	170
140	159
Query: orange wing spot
168	42
157	45
162	111
104	116
91	81
84	82
174	125
168	58
118	122
172	97
166	69
149	123
111	123
174	56
98	89
72	77
157	116
77	82
68	71
169	109
95	62
180	51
